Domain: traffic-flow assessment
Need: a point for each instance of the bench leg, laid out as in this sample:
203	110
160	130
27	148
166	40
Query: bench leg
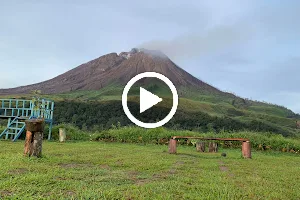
213	147
172	146
246	149
200	146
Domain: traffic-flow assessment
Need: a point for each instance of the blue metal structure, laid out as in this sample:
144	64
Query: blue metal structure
17	111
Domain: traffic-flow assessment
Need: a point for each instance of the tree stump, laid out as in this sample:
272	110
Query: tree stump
172	146
28	143
62	135
34	137
200	146
246	149
213	147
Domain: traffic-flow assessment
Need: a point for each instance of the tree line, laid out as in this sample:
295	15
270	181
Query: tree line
99	116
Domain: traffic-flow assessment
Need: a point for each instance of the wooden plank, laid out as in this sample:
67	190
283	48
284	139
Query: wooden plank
202	138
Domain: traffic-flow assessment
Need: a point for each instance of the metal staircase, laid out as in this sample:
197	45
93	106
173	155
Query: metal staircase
17	111
14	129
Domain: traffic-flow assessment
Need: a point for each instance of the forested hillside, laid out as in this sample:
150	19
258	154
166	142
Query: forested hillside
107	114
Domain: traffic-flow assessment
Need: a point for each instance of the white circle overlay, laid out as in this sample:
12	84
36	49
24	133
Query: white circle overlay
150	75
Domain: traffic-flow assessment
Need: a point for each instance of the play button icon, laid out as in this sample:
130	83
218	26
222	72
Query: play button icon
148	99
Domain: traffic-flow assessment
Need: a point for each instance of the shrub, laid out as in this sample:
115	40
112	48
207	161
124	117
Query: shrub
2	129
73	132
132	134
259	141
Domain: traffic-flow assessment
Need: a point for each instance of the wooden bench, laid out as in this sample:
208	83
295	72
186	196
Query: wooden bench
246	146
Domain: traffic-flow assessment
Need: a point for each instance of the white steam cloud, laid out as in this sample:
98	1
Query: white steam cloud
198	44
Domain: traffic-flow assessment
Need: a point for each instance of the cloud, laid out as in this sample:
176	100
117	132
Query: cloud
228	25
198	44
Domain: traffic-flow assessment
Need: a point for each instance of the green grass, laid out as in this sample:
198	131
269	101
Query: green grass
97	170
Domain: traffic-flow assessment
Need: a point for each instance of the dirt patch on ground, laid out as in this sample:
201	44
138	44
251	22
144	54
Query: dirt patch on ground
18	171
160	176
105	167
119	163
172	171
223	168
47	194
156	177
142	181
133	175
70	193
74	165
179	163
108	156
5	193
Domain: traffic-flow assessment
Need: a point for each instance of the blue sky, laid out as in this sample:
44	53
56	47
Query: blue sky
250	48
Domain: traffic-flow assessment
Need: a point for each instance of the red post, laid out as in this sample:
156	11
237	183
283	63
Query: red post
172	146
246	149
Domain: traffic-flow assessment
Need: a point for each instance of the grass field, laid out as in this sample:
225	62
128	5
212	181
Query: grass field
98	170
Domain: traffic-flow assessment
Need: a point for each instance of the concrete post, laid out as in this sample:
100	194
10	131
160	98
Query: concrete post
246	149
62	135
172	146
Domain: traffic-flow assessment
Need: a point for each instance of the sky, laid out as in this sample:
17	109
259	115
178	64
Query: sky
249	48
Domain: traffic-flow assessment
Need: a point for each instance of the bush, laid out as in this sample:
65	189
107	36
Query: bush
138	135
259	141
2	129
132	134
73	132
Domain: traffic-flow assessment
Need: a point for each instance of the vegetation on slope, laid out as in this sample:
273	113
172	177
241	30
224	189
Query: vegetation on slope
101	115
98	110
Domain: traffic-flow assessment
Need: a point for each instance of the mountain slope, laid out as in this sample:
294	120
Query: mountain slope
116	69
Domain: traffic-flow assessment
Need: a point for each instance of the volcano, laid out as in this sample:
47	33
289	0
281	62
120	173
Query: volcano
115	68
100	82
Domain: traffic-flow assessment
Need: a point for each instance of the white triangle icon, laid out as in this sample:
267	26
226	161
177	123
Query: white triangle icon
147	100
